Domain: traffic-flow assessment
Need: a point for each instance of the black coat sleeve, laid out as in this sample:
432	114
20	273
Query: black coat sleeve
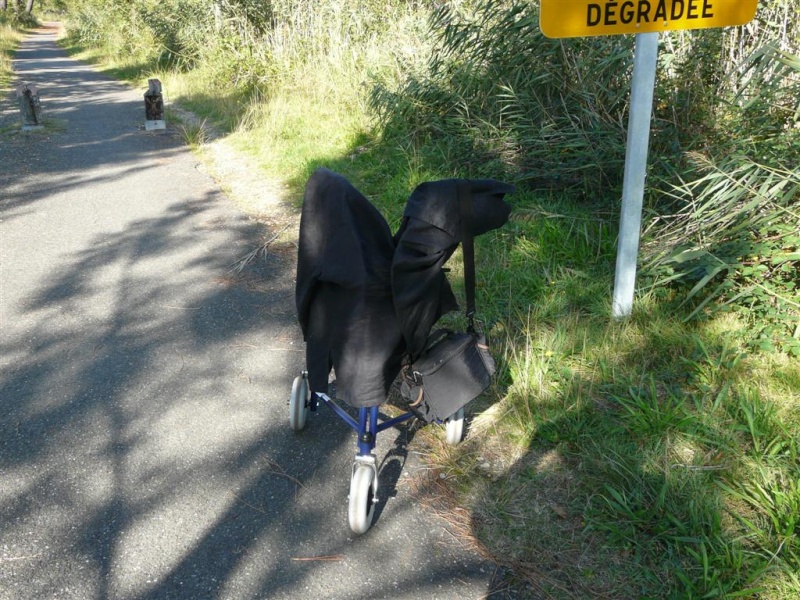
429	235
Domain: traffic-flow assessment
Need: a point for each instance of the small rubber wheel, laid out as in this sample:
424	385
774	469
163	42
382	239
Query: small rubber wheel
298	403
454	428
361	505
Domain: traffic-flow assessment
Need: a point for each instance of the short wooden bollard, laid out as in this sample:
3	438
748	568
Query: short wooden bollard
154	106
30	107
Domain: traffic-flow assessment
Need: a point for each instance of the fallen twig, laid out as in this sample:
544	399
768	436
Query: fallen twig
241	263
15	558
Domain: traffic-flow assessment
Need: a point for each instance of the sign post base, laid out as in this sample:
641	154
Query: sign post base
155	124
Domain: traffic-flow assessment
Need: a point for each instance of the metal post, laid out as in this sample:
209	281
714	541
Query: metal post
644	76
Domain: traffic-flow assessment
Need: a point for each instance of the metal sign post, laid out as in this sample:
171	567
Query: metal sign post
644	77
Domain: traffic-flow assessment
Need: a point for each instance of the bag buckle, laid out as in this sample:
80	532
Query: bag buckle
471	322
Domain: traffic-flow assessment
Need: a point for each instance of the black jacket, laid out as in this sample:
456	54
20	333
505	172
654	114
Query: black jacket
364	298
343	292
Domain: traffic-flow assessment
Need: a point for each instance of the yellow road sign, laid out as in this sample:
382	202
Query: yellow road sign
580	18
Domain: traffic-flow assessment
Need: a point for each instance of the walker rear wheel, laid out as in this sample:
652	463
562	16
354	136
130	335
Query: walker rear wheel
298	403
454	428
361	505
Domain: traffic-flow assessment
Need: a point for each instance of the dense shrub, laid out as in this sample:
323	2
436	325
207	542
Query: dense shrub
550	111
249	43
16	16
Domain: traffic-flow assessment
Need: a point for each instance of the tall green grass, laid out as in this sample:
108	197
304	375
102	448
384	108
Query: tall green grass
9	39
735	245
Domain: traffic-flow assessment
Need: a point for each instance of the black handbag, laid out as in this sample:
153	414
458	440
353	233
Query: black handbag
455	367
453	370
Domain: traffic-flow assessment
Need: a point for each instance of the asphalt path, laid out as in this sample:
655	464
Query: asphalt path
145	451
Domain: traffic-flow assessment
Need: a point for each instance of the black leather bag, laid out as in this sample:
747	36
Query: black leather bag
454	369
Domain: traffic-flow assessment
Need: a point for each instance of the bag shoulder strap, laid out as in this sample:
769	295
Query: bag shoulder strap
468	249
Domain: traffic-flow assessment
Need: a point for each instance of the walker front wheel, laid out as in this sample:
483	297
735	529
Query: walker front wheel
298	403
454	428
361	505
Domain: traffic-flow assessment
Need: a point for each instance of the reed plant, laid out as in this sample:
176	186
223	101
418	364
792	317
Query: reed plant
552	114
726	233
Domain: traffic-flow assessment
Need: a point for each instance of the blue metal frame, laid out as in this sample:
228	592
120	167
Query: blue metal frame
366	427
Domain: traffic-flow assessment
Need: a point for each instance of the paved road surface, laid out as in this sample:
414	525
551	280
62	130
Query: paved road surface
144	444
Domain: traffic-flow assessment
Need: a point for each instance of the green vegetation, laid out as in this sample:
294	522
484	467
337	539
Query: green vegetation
651	458
9	38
